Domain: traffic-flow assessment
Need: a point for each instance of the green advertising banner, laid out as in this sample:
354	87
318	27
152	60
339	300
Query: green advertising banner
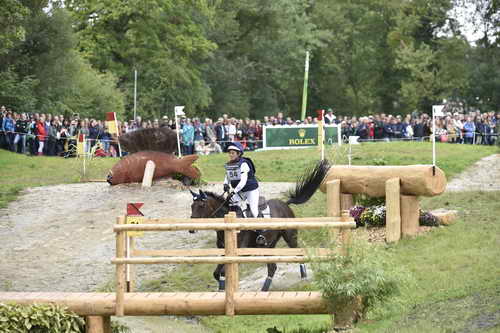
297	136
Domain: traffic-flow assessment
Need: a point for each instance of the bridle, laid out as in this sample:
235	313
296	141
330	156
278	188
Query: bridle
214	213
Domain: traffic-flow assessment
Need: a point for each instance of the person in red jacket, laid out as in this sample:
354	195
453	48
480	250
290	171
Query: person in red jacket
40	133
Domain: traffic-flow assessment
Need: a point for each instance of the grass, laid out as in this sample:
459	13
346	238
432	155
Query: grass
456	269
20	172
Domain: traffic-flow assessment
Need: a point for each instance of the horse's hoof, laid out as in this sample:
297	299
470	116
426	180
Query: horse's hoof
267	284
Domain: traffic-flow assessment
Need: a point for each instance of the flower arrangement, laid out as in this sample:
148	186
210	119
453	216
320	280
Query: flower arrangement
427	219
355	213
373	216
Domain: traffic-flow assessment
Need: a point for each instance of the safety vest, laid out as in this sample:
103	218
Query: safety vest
233	172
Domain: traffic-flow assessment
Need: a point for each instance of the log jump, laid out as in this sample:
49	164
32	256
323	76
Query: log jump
400	185
98	307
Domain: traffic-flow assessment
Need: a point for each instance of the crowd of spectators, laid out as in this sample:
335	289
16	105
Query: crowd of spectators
55	135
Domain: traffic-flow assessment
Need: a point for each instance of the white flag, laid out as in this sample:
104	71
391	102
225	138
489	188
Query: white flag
179	111
438	110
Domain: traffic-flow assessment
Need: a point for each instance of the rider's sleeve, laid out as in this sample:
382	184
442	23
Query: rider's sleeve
245	169
226	181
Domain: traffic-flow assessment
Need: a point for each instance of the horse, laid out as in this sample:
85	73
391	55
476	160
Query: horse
211	205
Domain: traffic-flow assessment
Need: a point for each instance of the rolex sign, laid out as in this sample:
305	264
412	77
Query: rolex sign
276	137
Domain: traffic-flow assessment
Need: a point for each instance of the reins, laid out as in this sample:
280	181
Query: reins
222	205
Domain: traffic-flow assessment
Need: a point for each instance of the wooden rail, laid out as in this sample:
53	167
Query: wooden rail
182	304
231	256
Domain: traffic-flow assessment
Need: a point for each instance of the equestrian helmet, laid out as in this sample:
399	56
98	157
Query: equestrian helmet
236	146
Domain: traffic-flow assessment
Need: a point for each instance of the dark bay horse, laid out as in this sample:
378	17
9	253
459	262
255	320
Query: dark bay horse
209	205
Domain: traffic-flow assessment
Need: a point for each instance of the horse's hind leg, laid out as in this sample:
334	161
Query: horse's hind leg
219	275
271	269
290	237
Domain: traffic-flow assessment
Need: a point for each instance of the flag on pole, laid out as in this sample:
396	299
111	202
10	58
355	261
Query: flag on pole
438	110
80	145
111	123
321	133
179	111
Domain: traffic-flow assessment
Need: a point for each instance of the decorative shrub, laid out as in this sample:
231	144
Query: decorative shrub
45	318
39	318
366	272
367	201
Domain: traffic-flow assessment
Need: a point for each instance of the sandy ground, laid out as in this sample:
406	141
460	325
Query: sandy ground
59	238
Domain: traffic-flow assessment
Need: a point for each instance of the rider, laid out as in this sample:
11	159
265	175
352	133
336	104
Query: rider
240	175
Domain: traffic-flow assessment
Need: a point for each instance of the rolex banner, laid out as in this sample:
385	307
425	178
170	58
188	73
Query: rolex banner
298	136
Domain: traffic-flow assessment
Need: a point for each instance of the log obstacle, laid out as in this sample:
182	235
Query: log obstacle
231	302
98	307
400	185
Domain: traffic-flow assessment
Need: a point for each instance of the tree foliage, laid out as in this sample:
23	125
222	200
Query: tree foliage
246	58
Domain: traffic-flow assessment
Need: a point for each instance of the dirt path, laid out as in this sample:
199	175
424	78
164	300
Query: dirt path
59	238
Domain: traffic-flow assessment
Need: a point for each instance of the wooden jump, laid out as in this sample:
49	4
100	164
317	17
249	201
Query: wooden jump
231	302
181	304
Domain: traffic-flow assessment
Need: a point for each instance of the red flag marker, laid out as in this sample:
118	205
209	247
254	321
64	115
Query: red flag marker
133	209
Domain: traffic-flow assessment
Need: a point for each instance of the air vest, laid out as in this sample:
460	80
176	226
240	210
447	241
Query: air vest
233	172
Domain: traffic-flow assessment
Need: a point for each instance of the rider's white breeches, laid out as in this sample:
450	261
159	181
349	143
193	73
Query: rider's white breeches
251	197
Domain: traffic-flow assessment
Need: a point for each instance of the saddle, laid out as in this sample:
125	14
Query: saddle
264	210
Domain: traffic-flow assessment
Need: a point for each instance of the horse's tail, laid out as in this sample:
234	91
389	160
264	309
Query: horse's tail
308	183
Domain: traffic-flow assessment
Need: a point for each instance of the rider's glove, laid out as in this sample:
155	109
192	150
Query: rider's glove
226	187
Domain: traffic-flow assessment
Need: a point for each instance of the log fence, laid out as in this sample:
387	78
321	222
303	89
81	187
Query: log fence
231	255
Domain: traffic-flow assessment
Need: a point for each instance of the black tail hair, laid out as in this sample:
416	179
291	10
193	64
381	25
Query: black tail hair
308	183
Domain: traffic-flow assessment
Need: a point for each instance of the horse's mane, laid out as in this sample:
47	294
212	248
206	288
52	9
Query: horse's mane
215	196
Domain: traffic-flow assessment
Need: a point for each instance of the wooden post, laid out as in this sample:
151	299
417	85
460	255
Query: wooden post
232	279
409	215
120	269
333	204
97	324
131	268
346	201
333	198
393	210
149	171
345	234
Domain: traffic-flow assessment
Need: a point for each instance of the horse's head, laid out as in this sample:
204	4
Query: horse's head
199	207
207	205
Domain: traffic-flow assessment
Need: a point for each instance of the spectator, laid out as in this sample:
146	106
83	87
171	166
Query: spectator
41	134
329	117
8	127
187	138
469	130
21	131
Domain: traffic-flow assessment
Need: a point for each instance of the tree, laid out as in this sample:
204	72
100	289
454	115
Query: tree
163	39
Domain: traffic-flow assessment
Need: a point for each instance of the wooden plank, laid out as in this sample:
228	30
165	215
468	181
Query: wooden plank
178	253
97	324
345	234
231	269
393	210
314	224
409	215
240	252
333	204
149	170
216	260
137	304
120	270
237	220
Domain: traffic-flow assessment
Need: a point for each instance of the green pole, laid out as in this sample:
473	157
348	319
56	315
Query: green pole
304	93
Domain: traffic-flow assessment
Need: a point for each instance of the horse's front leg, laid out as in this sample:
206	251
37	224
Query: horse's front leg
271	269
